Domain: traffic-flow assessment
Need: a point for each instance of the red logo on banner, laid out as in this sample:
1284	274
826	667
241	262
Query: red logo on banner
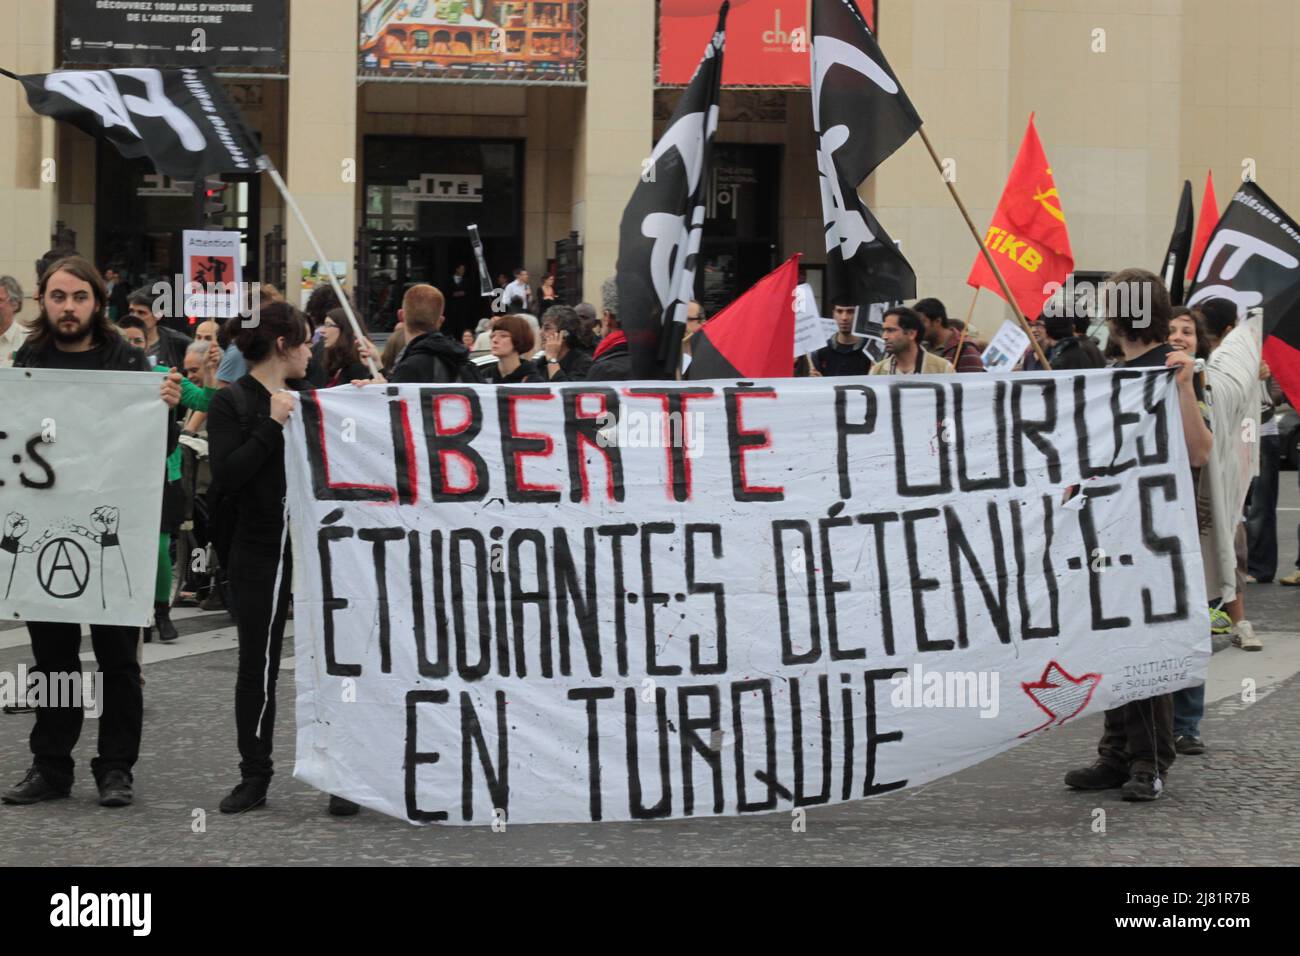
1060	695
767	40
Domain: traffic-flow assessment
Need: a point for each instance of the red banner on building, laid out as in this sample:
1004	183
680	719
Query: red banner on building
767	40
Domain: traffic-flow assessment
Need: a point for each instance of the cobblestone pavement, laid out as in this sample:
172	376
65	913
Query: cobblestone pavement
1237	805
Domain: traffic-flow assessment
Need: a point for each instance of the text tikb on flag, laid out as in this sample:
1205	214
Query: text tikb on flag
1028	236
861	115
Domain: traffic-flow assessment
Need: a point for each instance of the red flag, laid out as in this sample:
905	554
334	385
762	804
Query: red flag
1209	219
754	336
1028	237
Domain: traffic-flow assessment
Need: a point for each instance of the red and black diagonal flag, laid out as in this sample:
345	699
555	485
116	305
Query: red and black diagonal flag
181	119
1253	258
659	238
861	115
1180	246
754	336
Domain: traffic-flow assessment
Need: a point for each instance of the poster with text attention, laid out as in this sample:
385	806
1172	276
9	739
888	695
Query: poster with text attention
586	602
213	273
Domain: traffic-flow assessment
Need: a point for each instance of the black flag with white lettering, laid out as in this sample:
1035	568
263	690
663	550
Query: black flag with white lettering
1180	246
1253	259
861	115
659	237
181	119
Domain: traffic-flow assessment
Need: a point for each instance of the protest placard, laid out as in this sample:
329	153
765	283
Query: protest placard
811	330
1006	349
652	600
213	274
80	498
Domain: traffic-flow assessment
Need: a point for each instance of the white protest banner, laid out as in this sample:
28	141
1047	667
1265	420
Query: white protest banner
1006	348
80	496
212	273
811	330
658	600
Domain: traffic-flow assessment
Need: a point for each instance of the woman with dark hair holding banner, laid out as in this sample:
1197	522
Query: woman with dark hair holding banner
246	437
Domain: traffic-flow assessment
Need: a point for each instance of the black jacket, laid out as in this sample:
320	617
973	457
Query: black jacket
526	373
250	466
614	365
431	357
170	350
1071	354
836	359
317	375
346	374
573	367
118	356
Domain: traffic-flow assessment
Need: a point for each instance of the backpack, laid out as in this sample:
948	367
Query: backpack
468	374
223	509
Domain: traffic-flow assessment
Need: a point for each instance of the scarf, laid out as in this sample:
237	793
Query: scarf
609	342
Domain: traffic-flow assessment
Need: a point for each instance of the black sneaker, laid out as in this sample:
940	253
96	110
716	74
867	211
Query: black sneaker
115	789
1143	786
1190	745
341	807
1100	776
248	795
34	788
162	620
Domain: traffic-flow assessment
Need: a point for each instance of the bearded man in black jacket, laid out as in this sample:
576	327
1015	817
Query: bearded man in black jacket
73	331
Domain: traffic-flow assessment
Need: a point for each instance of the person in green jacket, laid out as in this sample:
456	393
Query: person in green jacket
194	397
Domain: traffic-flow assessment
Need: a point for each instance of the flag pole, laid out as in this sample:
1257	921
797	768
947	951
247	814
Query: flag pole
961	339
988	257
292	203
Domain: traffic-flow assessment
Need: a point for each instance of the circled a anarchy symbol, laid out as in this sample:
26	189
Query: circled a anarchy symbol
63	569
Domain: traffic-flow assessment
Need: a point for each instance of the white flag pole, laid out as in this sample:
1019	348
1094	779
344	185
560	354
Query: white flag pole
292	203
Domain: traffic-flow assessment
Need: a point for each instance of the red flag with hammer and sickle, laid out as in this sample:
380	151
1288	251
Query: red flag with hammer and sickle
1027	238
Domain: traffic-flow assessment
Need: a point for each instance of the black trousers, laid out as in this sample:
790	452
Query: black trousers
1261	521
1139	736
56	648
261	586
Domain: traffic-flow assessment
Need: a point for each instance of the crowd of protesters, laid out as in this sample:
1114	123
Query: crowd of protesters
233	386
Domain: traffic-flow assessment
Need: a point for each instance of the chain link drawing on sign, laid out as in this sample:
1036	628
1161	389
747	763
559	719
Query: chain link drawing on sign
65	556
